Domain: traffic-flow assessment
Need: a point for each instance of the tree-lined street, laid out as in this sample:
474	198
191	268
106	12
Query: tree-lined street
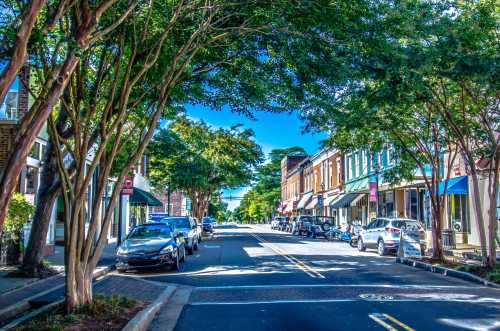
249	277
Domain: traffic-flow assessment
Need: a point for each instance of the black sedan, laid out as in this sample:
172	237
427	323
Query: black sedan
151	245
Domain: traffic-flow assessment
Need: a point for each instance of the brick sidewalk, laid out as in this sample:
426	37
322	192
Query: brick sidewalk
14	292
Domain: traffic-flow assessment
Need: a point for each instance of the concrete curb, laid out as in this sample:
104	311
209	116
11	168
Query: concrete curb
32	314
142	319
31	283
24	305
446	271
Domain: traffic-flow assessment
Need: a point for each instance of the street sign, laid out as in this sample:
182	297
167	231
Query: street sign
128	185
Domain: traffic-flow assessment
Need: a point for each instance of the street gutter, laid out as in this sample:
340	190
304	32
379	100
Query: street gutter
446	271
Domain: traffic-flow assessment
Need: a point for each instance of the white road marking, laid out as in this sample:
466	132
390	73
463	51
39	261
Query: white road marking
407	286
215	303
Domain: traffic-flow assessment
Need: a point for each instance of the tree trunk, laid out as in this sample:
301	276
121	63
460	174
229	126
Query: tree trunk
47	195
19	51
478	210
492	213
25	140
437	243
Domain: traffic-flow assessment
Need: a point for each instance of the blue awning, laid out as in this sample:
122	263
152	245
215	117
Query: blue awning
456	185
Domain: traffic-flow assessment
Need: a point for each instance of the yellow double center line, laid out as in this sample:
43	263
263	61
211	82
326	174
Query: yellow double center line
383	320
300	264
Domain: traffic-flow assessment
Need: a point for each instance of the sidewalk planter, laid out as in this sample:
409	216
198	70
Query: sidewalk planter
446	271
142	320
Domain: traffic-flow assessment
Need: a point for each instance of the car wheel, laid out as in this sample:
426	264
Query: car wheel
189	250
121	270
361	245
195	246
381	248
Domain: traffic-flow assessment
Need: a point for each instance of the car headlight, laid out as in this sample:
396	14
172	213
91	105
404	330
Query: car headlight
167	249
121	251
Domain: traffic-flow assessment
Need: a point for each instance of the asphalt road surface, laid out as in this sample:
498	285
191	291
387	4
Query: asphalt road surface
253	278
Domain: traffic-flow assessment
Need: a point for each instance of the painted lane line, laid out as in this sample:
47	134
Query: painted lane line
286	256
312	301
300	264
379	321
398	322
409	286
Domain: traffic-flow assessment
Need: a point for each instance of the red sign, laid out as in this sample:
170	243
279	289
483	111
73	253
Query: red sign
128	185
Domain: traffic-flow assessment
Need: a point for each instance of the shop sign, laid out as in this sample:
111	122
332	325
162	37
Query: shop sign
373	191
411	243
128	185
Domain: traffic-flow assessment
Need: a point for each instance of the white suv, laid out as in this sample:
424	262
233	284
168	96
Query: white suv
383	234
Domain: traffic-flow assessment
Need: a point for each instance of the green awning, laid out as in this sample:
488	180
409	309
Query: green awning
343	200
357	185
140	197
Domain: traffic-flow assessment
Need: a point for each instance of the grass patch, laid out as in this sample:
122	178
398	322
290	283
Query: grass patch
491	274
104	313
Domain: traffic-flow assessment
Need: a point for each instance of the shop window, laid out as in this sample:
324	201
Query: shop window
458	213
31	180
35	151
8	109
412	204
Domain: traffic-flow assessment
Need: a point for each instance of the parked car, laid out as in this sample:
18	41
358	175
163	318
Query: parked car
151	245
319	226
275	223
383	234
283	223
300	224
207	224
188	226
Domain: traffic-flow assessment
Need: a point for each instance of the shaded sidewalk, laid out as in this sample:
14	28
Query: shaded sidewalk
14	290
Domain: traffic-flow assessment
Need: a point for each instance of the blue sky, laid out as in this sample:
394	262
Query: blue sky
272	130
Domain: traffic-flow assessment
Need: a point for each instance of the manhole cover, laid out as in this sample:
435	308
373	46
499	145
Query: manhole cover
377	297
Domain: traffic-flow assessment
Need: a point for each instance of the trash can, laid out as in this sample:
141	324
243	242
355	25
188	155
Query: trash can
448	237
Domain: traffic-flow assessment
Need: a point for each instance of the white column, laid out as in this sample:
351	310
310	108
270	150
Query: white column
125	216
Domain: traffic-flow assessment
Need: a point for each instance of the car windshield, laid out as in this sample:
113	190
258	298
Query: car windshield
306	218
150	231
177	222
410	225
323	219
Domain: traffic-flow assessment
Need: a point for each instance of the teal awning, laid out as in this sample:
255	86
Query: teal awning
141	197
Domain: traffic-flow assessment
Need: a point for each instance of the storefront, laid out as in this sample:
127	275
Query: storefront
140	201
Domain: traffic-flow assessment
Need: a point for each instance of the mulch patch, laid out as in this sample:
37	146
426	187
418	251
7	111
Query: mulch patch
105	313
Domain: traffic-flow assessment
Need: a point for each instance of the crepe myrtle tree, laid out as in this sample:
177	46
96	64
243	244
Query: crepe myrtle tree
238	69
74	26
163	56
201	160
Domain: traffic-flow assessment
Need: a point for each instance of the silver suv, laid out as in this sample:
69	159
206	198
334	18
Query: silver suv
383	234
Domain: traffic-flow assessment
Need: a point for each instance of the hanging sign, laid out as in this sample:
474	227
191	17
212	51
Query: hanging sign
373	191
128	185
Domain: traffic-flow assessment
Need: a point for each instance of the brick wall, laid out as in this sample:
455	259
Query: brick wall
6	139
